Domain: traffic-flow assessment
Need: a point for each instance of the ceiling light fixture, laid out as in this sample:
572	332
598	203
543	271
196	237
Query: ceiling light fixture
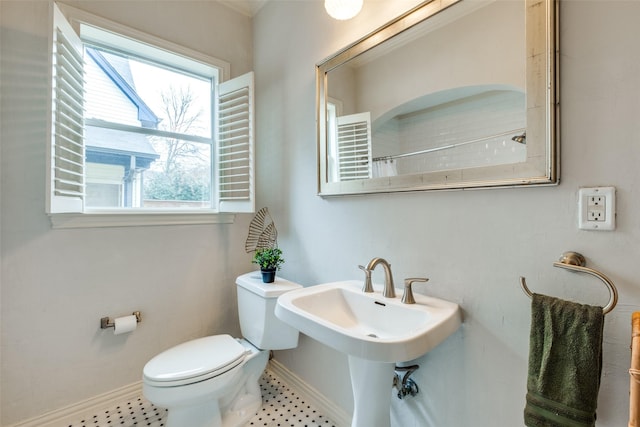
343	9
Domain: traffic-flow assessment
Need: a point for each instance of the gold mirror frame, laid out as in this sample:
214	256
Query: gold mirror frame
542	111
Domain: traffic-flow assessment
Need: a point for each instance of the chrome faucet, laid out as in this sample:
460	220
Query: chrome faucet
389	289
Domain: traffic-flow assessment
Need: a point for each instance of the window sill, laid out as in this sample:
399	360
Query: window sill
137	219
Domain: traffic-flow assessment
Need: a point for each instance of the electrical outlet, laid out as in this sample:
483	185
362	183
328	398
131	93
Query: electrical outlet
596	208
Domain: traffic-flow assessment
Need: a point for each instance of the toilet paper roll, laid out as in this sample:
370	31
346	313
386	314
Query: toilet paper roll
125	324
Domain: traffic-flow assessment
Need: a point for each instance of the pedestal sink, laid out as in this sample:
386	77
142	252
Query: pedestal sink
375	332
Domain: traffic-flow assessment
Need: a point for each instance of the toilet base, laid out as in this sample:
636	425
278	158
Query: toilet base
208	415
200	416
240	416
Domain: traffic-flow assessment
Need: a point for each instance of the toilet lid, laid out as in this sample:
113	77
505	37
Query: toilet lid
195	360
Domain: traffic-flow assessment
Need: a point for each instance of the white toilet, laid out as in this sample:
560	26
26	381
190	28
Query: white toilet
213	381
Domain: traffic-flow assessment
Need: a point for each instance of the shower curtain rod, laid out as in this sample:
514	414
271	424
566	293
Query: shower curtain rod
445	147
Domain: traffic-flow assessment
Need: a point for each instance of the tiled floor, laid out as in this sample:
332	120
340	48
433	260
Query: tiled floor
281	407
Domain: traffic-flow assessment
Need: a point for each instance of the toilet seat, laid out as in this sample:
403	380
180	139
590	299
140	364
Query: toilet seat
194	361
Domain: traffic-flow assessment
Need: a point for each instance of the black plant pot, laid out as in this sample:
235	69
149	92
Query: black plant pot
268	275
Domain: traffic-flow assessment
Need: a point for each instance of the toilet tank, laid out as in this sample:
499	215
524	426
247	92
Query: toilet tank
256	309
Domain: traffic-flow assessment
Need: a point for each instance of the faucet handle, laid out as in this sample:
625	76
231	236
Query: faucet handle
407	296
368	287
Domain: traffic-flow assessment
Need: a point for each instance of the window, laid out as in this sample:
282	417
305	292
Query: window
137	128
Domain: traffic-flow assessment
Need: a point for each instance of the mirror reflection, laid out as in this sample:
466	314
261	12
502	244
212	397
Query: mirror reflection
447	103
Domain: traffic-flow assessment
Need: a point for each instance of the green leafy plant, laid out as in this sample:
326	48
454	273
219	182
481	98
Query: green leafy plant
268	258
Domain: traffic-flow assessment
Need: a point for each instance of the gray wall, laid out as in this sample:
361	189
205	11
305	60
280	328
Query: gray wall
57	284
472	244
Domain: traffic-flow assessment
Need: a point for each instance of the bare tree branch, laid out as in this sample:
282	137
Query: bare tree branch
178	106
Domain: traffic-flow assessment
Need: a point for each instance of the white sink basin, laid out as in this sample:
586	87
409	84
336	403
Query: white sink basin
368	325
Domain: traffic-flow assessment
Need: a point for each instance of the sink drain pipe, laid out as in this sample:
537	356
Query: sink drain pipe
402	382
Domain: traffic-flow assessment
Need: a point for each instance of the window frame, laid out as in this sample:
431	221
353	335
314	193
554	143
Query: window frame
91	217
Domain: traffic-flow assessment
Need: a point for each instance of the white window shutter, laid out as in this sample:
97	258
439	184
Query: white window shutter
354	146
65	152
235	154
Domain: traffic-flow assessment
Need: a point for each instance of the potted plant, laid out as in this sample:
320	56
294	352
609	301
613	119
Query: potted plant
269	260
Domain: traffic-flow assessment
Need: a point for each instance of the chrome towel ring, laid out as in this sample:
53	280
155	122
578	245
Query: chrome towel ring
576	262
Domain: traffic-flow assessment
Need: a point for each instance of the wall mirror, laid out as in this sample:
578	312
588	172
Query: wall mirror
453	94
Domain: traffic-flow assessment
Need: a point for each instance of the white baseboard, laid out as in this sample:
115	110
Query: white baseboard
89	407
313	396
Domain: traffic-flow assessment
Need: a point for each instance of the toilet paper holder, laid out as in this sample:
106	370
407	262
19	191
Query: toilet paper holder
105	322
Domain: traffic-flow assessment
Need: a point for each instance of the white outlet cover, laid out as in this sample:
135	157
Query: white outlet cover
609	222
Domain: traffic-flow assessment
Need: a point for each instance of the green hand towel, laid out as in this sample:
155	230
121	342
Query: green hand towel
565	363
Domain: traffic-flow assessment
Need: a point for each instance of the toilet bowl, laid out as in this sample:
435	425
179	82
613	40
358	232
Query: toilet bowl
214	381
207	380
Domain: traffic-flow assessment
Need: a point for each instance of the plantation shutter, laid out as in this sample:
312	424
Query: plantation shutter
236	177
354	146
65	153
